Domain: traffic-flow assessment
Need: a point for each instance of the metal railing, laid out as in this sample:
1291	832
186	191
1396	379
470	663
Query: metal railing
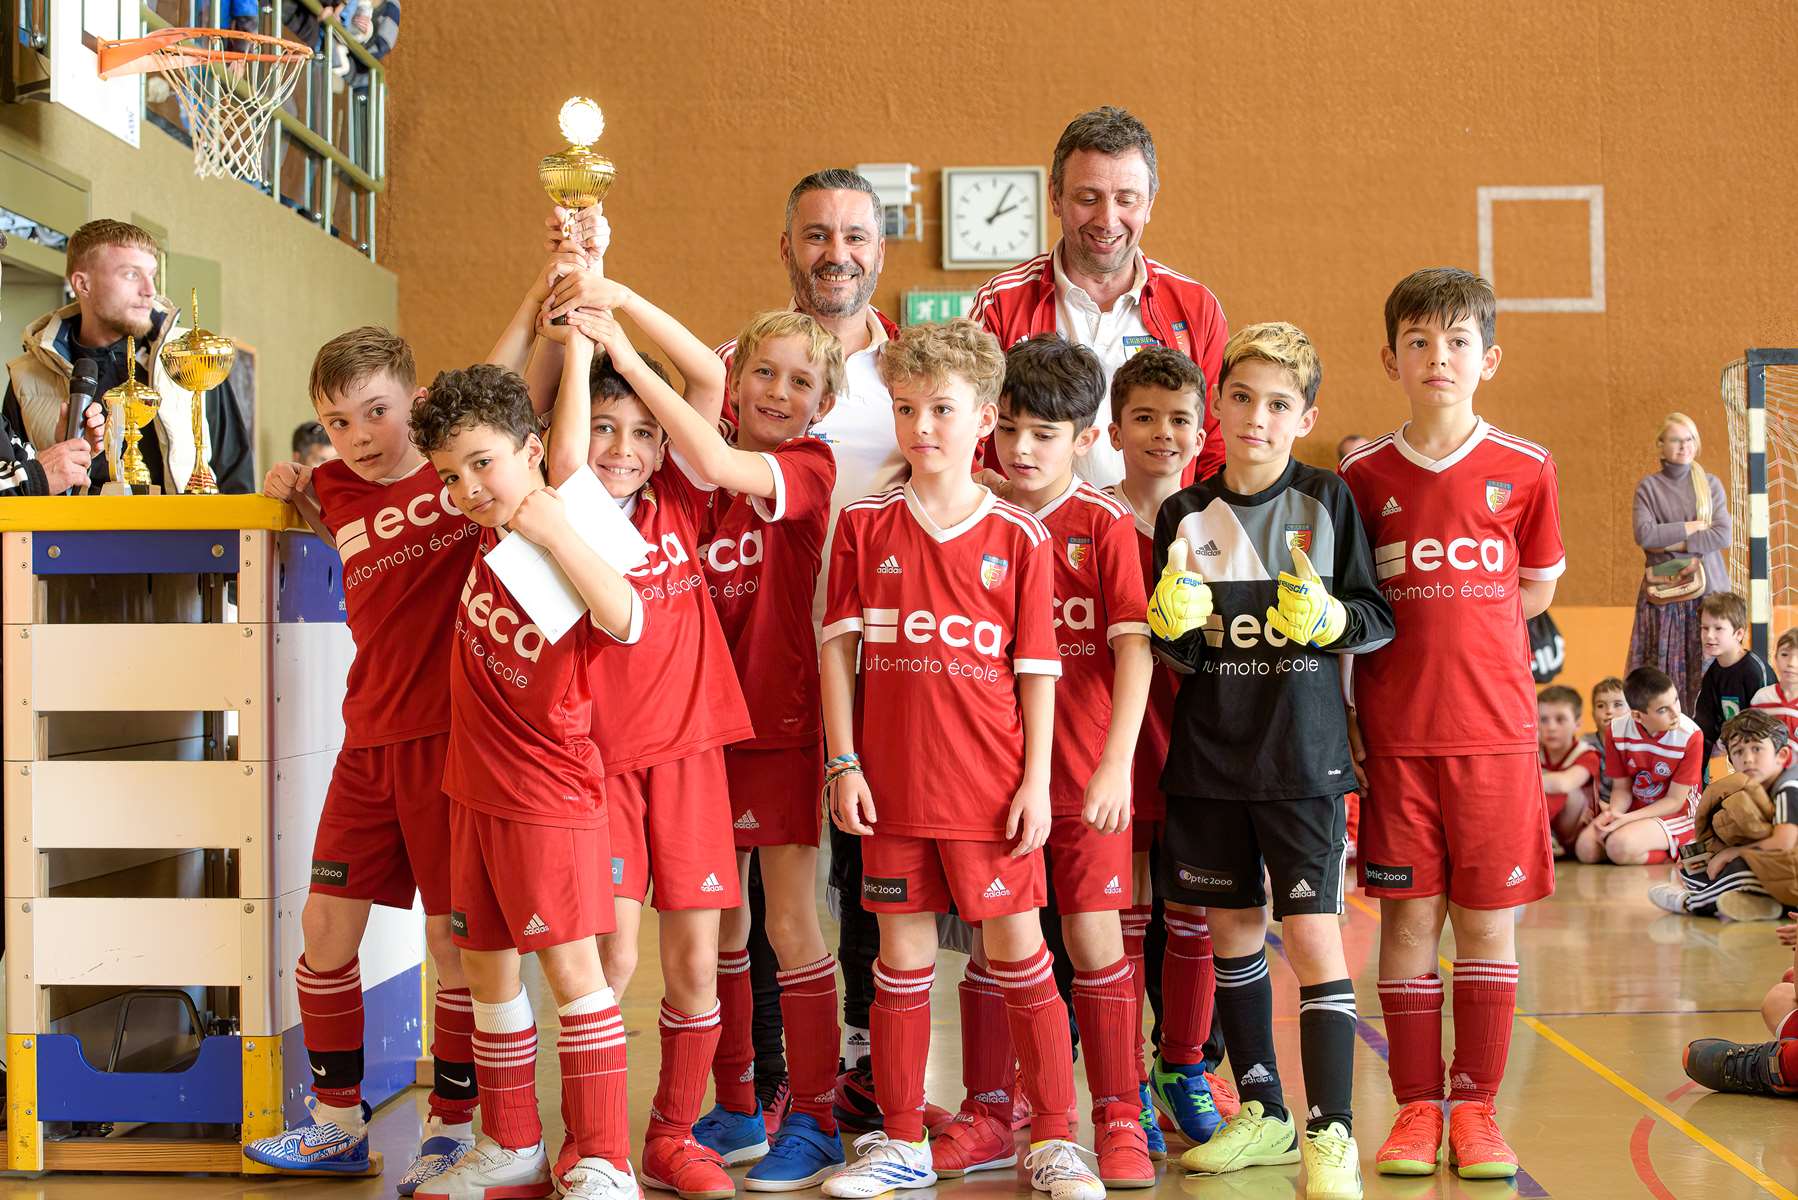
327	156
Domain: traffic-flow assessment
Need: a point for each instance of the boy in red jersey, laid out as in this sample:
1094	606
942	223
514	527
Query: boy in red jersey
1781	697
1053	389
384	831
1465	522
944	593
1655	760
1570	767
666	788
1158	422
529	820
769	504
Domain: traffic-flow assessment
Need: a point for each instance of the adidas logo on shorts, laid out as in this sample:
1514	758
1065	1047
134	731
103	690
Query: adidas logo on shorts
748	1075
1113	888
747	820
535	926
1209	550
1392	508
1301	891
996	891
1517	877
889	566
1256	1074
711	883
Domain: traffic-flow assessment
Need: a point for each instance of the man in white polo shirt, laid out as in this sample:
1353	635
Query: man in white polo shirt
1096	287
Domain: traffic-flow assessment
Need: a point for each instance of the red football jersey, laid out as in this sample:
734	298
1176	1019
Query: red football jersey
1580	754
761	561
1098	596
674	693
406	549
521	709
948	620
1774	700
1452	538
1158	717
1652	764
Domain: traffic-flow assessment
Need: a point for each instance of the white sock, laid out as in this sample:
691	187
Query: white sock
856	1046
512	1016
347	1119
592	1002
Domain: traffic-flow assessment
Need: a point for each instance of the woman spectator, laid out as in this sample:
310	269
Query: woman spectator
1682	525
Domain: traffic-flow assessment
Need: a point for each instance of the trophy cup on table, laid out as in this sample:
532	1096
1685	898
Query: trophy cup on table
199	360
577	176
130	407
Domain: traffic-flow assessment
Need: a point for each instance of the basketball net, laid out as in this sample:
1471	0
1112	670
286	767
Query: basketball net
229	85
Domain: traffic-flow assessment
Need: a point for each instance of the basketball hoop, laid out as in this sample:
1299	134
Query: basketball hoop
229	84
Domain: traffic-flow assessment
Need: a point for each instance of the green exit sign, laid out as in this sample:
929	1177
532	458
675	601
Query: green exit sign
924	307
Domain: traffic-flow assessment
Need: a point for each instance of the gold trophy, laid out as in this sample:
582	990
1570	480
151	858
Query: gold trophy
199	360
131	405
577	176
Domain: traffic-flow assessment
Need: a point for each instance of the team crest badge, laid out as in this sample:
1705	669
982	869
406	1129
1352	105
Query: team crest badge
1079	550
992	570
1136	343
1298	537
1498	494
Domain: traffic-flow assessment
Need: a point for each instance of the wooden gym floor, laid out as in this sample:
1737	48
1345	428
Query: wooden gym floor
1595	1104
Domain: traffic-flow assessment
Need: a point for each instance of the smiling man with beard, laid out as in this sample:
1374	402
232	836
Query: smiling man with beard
1096	287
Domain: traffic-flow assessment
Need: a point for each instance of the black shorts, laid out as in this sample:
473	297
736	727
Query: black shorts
1213	851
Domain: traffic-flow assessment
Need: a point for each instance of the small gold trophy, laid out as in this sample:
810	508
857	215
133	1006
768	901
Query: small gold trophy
578	176
199	360
131	406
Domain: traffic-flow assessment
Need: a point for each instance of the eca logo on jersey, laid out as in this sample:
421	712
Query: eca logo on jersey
724	556
505	627
1428	555
390	523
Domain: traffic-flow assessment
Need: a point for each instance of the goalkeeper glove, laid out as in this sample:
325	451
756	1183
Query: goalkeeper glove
1181	602
1308	615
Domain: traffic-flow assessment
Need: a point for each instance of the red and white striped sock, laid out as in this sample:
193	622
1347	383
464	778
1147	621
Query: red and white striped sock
1188	989
331	1023
900	1024
988	1067
505	1066
733	1065
1485	1004
591	1053
808	1009
1412	1009
1104	1006
1039	1034
688	1042
453	1091
1136	929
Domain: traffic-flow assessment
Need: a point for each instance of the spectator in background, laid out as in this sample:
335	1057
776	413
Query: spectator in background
1348	445
312	445
377	26
1682	524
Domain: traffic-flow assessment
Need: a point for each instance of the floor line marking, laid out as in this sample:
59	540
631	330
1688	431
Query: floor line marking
1766	1182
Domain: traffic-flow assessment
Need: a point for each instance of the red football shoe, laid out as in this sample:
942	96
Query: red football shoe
1123	1153
683	1166
1415	1142
1223	1097
1476	1149
972	1142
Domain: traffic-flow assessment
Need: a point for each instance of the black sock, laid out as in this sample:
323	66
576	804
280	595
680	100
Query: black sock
453	1080
1327	1051
1245	1009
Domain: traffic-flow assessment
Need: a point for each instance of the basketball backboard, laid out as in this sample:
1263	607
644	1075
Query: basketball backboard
115	105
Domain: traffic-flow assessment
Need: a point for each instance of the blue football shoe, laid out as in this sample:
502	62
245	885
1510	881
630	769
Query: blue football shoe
737	1138
1182	1092
314	1146
803	1155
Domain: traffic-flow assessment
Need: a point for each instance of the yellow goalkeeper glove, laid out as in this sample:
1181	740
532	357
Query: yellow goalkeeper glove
1308	615
1181	602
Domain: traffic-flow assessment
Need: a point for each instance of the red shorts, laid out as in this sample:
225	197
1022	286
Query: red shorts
525	886
385	829
1145	834
1091	871
909	874
776	795
671	827
1469	826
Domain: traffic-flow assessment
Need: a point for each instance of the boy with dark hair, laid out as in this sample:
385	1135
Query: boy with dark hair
1053	389
1158	419
384	833
1465	523
1655	759
943	595
1736	674
1714	878
1260	670
312	445
1570	767
529	820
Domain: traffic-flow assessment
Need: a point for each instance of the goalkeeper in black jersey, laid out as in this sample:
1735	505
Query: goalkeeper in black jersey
1267	577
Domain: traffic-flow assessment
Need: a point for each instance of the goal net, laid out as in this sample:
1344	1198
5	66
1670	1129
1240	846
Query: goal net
1760	400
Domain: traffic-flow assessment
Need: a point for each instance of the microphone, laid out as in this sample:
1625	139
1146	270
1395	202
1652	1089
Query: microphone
83	384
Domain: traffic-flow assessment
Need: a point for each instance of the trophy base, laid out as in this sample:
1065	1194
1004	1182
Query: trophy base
130	489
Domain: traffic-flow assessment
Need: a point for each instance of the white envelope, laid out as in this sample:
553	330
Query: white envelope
530	572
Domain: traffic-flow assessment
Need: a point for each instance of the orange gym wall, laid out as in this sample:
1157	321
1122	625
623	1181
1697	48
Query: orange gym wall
1311	154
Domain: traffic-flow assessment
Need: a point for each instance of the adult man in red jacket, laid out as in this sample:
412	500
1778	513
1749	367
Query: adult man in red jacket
1096	287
